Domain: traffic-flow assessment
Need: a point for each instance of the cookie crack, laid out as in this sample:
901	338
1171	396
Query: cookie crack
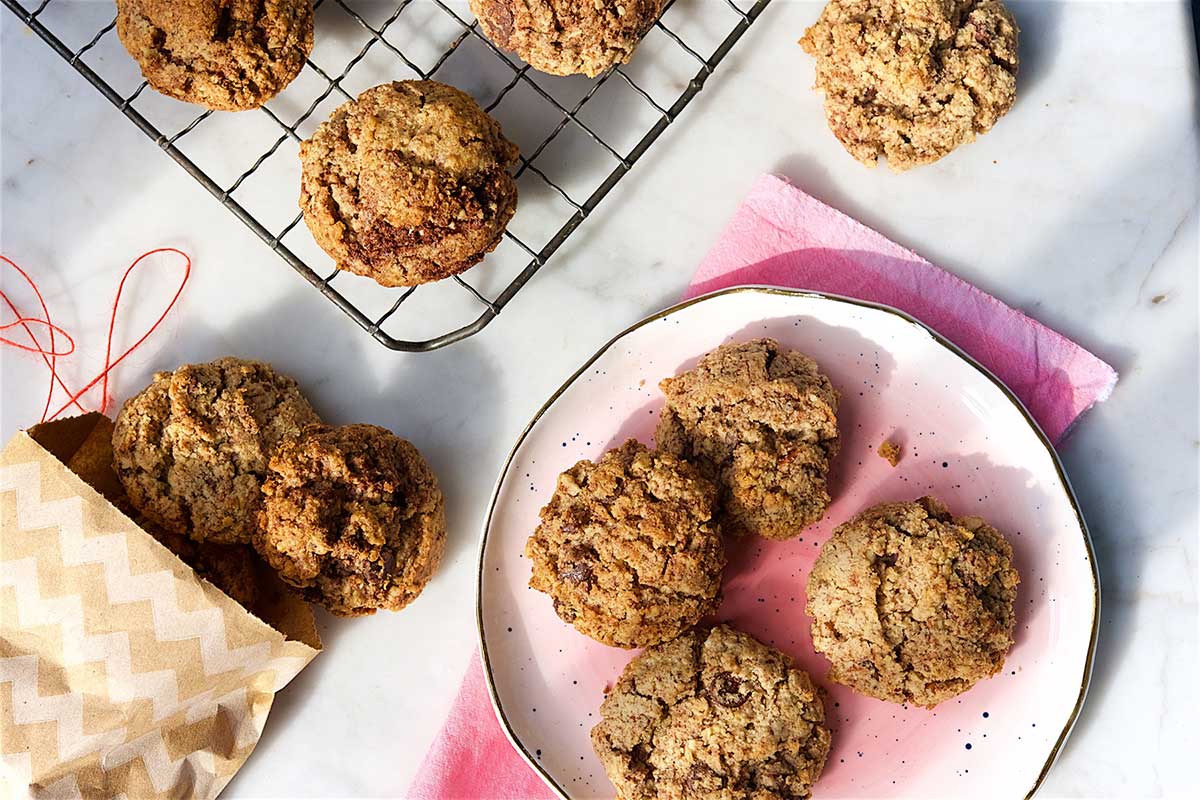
225	24
258	26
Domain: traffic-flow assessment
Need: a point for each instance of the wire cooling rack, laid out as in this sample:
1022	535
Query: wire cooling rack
578	137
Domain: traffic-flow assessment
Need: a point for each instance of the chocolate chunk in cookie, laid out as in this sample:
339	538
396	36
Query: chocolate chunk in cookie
628	547
353	518
761	422
408	184
191	449
911	605
913	79
223	54
712	714
568	37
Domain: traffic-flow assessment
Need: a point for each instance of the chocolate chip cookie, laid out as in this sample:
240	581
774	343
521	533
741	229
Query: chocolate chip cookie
628	547
228	55
761	422
712	714
913	79
911	605
567	37
191	449
353	518
408	184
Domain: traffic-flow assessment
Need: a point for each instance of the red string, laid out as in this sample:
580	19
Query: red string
51	355
23	321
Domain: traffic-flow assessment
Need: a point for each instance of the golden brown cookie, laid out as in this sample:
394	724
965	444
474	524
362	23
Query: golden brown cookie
408	184
628	547
913	79
223	54
761	422
353	518
568	37
712	714
191	449
911	605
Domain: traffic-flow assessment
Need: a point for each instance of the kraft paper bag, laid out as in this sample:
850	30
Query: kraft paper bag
122	672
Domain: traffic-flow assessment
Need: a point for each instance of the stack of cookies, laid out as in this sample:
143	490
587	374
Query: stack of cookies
228	465
910	604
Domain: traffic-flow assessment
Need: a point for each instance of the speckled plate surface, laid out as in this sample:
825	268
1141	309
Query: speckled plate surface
965	438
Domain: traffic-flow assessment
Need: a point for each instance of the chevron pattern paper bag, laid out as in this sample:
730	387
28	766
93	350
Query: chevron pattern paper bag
121	671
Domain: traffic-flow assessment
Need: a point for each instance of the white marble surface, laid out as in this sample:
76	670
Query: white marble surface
1079	208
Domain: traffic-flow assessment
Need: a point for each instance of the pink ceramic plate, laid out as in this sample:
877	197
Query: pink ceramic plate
966	439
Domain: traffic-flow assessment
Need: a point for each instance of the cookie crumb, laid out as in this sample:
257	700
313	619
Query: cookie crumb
890	452
1159	299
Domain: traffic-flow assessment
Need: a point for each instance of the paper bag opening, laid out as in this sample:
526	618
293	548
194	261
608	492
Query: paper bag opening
122	671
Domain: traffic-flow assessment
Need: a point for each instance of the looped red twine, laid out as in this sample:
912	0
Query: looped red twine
51	352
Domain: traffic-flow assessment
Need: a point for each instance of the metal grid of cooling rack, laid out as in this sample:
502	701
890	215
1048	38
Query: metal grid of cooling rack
570	117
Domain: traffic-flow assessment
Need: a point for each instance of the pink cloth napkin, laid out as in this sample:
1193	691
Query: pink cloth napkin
783	237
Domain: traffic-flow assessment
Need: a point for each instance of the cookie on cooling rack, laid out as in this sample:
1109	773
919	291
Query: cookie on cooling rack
911	605
408	184
761	422
628	548
228	55
353	518
712	714
913	80
568	38
192	448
